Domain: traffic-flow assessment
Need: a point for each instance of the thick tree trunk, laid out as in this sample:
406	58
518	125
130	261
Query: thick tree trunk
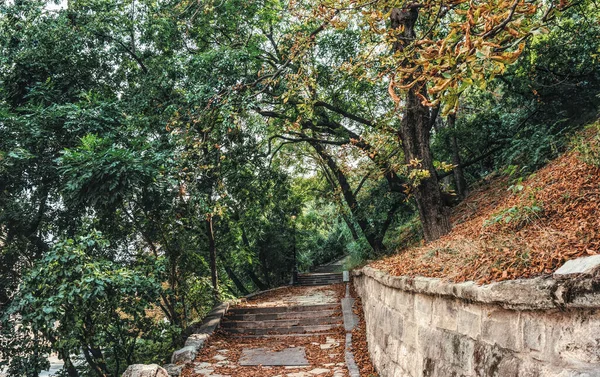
212	252
459	176
415	132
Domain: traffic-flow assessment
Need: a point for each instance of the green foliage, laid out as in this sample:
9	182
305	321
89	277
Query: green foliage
589	147
99	172
75	301
525	116
518	216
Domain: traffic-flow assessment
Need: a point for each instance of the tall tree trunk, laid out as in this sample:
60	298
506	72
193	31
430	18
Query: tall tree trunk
71	370
415	132
212	252
374	238
459	176
351	227
262	255
238	283
261	286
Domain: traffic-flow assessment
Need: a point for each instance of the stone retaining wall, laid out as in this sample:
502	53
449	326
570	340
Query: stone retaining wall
422	327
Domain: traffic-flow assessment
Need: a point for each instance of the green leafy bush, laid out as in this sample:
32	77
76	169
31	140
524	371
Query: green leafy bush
71	302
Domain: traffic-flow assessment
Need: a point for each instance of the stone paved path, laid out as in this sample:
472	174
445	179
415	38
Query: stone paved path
323	352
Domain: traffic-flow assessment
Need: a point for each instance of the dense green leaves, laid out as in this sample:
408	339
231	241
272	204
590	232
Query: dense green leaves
72	300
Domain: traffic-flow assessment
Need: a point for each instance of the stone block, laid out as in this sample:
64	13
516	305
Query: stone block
295	356
142	370
429	343
457	350
491	360
385	365
421	284
575	340
386	320
578	267
350	319
173	369
534	332
409	334
467	290
209	325
469	321
423	309
438	287
392	348
196	340
407	358
501	327
184	355
521	294
381	336
445	314
404	303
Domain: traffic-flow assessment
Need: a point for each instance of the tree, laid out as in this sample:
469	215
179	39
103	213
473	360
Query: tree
434	59
73	301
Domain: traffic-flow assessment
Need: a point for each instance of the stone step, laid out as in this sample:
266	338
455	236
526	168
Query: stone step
282	330
276	316
282	309
317	284
333	278
320	278
326	333
281	323
321	274
328	269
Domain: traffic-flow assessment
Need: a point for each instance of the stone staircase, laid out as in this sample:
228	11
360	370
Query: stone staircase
325	278
283	320
329	268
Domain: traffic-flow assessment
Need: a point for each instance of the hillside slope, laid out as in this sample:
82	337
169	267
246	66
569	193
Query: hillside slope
508	229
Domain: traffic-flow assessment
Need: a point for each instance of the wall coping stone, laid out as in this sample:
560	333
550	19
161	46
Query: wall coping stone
523	294
577	267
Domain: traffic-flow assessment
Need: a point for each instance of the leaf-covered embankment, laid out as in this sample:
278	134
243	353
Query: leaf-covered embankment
517	228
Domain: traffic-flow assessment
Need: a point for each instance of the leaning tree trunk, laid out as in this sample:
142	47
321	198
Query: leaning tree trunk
375	240
414	132
212	252
238	283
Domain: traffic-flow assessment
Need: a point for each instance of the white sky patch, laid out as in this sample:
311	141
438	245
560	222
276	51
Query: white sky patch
51	5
